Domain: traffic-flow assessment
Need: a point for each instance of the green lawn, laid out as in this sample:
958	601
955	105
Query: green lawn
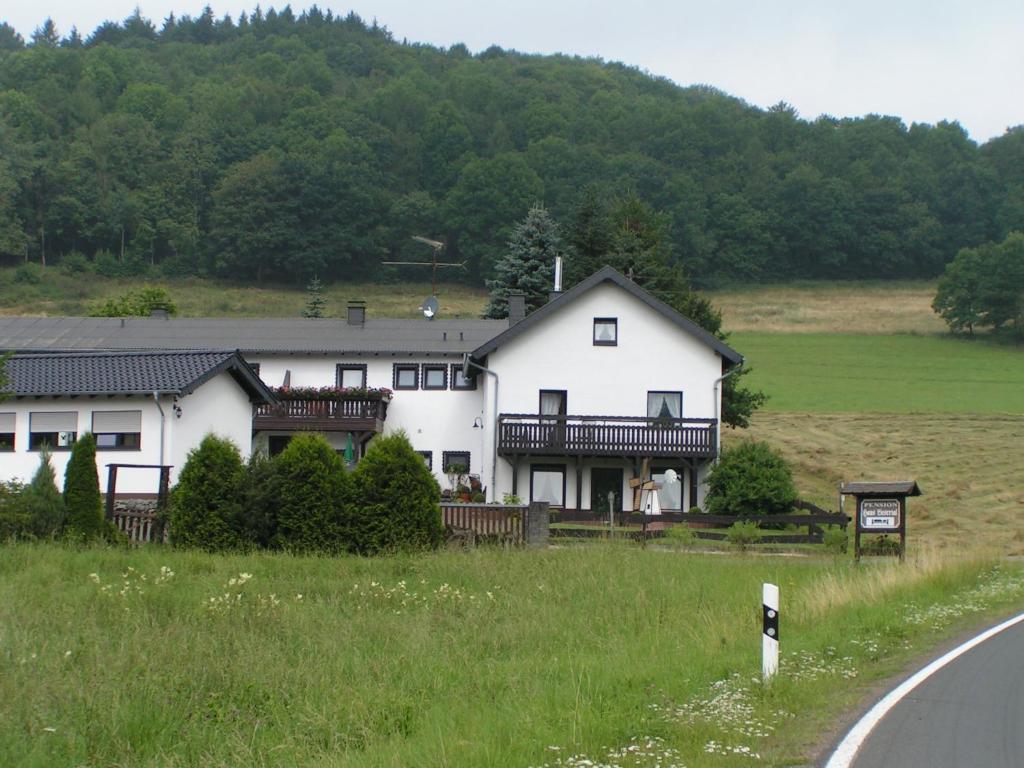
844	373
157	657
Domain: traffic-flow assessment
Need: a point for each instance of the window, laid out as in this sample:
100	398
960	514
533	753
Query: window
428	457
450	459
665	405
459	381
547	483
435	376
552	402
670	495
351	376
277	443
606	331
57	430
117	430
6	431
406	376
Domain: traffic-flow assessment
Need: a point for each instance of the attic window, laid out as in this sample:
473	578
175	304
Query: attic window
606	331
406	376
435	376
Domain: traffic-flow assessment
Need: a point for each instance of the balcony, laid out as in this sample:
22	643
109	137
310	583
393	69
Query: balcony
325	410
621	436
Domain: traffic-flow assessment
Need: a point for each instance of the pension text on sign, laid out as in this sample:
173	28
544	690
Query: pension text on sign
879	513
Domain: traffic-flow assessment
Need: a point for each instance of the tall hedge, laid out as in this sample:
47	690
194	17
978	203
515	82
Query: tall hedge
312	490
206	503
42	502
396	500
751	479
82	500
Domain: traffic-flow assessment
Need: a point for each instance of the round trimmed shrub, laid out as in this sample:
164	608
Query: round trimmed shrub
312	488
396	500
751	479
82	501
206	502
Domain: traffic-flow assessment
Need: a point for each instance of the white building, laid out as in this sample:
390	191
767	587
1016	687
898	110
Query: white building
562	405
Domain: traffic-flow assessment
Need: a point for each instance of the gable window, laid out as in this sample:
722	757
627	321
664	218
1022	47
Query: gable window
428	457
547	483
57	430
664	405
451	459
351	376
117	430
459	381
6	431
435	376
406	376
606	331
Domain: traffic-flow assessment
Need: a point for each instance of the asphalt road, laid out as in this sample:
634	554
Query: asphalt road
969	714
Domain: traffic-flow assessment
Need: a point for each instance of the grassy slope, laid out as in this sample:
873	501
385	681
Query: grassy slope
498	656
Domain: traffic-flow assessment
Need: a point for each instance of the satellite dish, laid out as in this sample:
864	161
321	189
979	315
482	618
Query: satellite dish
671	476
429	307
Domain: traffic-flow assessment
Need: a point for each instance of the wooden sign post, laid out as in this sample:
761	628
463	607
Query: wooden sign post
881	508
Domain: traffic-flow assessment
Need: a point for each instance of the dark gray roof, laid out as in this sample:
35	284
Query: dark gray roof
899	487
127	373
609	275
249	335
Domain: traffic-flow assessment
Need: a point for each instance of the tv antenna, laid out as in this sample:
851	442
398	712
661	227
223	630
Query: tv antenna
430	306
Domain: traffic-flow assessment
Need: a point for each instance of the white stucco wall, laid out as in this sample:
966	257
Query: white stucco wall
434	420
652	354
21	464
220	406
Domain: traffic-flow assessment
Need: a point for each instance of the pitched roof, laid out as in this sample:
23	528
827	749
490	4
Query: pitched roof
899	487
248	335
127	373
610	275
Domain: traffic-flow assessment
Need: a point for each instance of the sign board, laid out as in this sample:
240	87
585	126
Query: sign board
880	514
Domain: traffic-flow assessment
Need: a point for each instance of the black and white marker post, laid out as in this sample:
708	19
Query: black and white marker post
770	632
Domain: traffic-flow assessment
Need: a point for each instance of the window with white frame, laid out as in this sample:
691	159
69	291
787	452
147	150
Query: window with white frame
351	376
57	430
117	430
547	483
665	405
7	431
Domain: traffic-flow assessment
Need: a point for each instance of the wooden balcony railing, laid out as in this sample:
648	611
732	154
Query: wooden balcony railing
605	436
322	414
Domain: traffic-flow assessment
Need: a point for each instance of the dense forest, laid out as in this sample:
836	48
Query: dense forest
280	146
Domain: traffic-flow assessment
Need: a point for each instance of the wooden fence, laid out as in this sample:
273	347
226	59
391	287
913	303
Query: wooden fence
516	525
140	526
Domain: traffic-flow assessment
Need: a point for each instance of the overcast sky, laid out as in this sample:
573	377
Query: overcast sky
923	60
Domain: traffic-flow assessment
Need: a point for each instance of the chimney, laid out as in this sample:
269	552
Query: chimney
516	307
558	280
357	312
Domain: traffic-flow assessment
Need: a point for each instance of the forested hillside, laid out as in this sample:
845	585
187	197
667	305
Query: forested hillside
278	146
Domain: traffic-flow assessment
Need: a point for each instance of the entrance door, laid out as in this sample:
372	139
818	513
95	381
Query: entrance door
603	481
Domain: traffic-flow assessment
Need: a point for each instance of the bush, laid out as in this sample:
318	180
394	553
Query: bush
82	501
74	263
312	492
396	500
140	303
260	494
108	265
14	522
751	479
28	274
836	539
206	502
681	535
42	503
743	535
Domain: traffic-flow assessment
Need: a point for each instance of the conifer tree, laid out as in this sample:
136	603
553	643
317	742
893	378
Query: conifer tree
315	301
82	501
206	502
528	266
42	502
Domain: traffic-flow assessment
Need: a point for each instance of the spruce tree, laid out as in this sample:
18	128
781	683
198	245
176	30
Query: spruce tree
312	491
82	501
206	502
528	266
41	501
315	301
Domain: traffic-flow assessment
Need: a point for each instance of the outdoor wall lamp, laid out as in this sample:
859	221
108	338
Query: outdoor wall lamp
478	423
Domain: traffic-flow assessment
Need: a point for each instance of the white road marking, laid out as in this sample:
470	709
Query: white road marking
847	750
